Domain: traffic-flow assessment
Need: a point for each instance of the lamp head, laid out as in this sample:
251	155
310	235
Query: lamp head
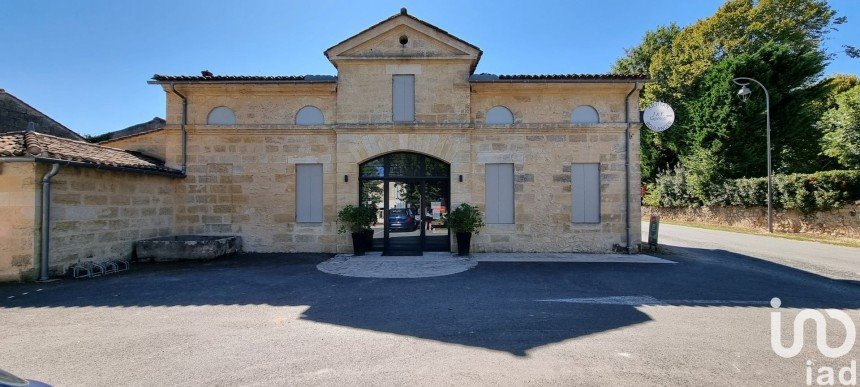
744	93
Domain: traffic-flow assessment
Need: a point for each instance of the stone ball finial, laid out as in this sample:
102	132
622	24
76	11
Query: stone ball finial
403	11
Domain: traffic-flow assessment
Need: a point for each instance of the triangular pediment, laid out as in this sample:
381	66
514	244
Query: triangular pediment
403	36
418	44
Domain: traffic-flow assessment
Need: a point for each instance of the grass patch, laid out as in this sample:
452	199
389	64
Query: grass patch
848	242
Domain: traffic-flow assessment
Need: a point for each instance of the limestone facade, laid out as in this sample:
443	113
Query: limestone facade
241	178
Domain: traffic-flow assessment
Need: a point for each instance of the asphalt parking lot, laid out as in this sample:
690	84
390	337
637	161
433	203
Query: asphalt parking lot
276	319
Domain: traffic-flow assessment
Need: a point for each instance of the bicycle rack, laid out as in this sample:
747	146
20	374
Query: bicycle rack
91	269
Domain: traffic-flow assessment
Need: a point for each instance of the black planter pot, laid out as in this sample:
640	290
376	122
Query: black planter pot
358	243
464	240
368	239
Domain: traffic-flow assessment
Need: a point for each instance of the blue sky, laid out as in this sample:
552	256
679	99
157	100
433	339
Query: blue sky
86	63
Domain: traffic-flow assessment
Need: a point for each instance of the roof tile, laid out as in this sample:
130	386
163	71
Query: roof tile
43	146
484	77
244	78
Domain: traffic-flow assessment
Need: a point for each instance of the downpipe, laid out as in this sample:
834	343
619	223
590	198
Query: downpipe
629	247
45	237
182	124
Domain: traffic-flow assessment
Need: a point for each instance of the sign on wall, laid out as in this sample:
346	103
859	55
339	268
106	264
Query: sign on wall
658	116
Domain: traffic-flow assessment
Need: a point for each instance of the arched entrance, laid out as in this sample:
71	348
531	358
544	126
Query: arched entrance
411	192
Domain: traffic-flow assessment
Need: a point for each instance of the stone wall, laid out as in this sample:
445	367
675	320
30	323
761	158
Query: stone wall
542	192
146	143
550	102
257	105
841	222
244	183
98	215
19	211
441	91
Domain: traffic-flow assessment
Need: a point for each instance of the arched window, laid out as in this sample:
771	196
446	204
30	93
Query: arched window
584	114
221	115
499	115
309	115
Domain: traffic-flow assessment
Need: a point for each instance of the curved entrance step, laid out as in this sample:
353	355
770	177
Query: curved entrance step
374	265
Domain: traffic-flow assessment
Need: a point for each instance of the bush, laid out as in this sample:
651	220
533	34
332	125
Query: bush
804	192
465	218
355	218
670	190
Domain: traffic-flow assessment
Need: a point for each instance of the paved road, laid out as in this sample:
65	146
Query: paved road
833	261
277	320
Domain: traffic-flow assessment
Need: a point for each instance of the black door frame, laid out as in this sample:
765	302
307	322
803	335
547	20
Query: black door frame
386	178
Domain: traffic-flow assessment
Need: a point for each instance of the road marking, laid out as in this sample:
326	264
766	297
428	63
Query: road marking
648	300
613	300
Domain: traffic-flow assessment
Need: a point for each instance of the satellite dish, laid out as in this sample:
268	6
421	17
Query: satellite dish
659	116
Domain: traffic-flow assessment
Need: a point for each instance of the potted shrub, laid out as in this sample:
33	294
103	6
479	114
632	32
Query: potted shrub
463	221
368	231
356	220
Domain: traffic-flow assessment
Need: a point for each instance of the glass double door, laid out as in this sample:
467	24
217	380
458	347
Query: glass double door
409	214
410	192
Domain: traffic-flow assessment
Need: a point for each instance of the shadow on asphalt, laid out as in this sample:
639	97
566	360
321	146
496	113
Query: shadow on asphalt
500	305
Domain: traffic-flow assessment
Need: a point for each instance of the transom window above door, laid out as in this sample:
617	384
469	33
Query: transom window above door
406	165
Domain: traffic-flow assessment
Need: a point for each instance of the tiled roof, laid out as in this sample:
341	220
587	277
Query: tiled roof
556	77
47	148
244	78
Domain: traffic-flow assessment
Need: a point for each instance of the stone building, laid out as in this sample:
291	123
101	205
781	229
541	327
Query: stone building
405	126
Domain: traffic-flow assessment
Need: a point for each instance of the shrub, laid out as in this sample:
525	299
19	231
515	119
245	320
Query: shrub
804	192
465	218
355	218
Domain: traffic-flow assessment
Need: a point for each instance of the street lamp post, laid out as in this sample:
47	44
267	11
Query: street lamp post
744	93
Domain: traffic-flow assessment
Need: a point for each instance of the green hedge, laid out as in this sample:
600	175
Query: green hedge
805	192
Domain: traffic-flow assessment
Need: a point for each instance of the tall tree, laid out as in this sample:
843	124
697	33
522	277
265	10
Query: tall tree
841	126
726	137
738	28
637	60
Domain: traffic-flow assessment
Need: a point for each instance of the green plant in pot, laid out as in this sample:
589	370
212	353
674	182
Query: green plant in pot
463	221
356	220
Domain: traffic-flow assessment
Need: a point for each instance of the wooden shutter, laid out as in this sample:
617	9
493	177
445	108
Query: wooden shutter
403	98
585	179
499	193
309	193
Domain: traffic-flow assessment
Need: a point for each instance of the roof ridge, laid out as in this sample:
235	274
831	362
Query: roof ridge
305	77
82	142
